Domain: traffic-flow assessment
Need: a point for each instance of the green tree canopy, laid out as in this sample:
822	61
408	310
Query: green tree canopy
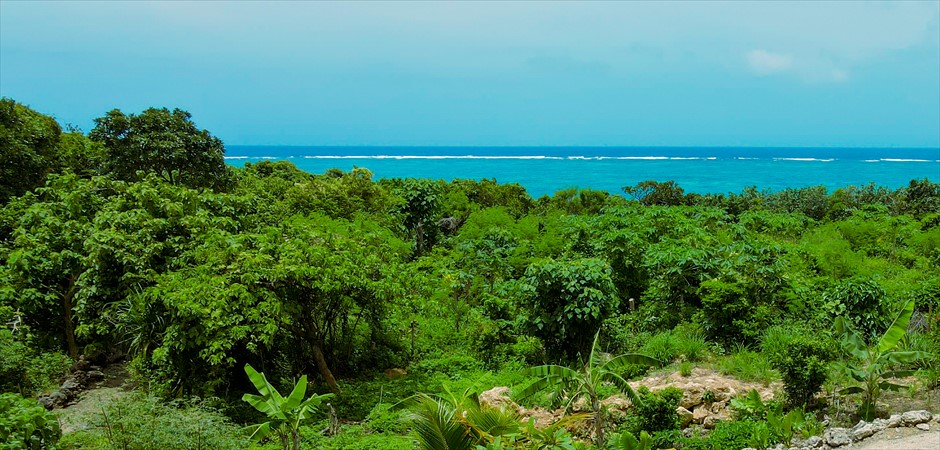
28	148
161	141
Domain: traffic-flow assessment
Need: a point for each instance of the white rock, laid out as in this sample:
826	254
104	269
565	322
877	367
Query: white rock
813	442
837	437
894	421
863	430
685	416
923	427
915	417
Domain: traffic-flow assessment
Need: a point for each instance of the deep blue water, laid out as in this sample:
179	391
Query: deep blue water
544	170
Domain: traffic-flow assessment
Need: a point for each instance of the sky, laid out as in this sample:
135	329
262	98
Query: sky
832	74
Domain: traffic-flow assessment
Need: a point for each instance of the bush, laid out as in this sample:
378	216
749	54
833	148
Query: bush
25	370
142	422
25	424
803	364
657	412
355	437
382	419
727	435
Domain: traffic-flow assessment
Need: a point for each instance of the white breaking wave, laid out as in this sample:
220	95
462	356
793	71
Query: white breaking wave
805	159
428	157
905	160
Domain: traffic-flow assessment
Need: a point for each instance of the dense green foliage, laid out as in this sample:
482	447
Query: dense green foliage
137	240
140	422
25	424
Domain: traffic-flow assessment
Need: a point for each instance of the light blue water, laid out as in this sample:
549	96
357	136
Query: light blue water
545	170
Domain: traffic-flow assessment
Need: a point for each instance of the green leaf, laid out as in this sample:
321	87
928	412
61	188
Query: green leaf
897	329
297	395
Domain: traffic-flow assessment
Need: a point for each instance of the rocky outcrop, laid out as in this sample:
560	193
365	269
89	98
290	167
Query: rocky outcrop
83	375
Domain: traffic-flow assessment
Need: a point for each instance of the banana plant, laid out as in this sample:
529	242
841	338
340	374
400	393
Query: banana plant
285	414
874	365
585	383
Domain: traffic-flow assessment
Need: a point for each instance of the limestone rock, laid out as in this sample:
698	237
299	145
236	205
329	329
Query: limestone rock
46	401
894	421
685	416
395	373
498	397
70	388
813	442
699	415
710	422
95	375
915	417
923	427
863	430
837	437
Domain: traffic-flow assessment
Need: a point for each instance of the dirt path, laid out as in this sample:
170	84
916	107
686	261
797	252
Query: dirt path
81	414
902	439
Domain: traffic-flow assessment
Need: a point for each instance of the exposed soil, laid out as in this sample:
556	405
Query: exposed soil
903	439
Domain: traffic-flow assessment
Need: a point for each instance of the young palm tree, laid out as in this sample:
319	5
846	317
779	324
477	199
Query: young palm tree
458	422
600	368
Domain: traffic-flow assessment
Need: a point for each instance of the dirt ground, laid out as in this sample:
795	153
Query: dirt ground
902	439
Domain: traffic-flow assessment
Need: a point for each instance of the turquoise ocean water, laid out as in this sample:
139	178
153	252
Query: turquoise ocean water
544	170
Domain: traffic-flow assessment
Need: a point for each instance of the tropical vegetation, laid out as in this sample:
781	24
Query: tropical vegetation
135	242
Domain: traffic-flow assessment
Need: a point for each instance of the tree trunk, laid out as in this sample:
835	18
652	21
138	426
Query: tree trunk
324	369
598	423
69	326
419	238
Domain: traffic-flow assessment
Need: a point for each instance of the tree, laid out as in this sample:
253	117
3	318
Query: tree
651	193
569	301
161	141
47	256
420	208
599	368
28	148
304	290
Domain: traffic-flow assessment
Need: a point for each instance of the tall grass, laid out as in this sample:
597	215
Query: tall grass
747	365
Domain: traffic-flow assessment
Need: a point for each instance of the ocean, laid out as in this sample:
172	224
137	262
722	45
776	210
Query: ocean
545	170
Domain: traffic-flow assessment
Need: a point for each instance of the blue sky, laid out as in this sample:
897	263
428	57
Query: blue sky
527	73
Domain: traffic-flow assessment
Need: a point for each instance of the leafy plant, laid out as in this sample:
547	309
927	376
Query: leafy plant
628	441
459	422
25	424
586	383
874	365
143	422
803	364
656	411
285	414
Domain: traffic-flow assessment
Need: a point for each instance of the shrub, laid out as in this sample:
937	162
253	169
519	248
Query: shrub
382	419
656	412
803	364
143	422
355	437
25	424
25	370
727	435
